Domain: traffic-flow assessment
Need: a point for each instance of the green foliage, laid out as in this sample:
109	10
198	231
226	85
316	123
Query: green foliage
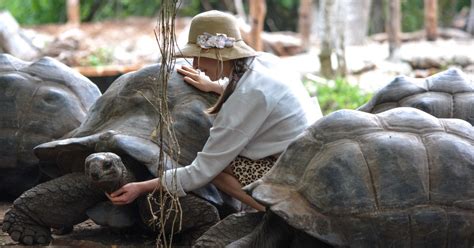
96	10
447	9
413	13
336	94
281	14
101	56
189	8
29	12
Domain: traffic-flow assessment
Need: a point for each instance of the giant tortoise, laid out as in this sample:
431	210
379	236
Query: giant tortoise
448	94
39	102
117	139
400	178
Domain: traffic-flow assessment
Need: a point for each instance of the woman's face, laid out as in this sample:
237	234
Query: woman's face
209	66
212	68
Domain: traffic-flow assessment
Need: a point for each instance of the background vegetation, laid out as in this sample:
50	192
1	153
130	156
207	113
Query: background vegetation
336	94
280	13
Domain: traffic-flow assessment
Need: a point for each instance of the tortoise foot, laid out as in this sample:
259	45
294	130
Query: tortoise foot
24	230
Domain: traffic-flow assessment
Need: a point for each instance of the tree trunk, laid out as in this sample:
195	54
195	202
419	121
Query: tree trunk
73	12
326	38
377	17
304	23
258	10
394	27
470	20
316	20
357	14
431	19
332	55
340	35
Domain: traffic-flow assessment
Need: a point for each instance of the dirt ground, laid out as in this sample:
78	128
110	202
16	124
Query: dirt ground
125	42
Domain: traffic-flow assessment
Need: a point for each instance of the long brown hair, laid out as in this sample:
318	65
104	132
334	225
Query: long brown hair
240	67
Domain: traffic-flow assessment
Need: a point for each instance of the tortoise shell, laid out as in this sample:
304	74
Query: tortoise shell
125	118
401	178
39	101
448	94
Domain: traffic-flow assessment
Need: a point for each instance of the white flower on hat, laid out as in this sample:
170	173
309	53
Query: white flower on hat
208	40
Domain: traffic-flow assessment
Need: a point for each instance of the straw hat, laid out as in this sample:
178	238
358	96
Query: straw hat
216	35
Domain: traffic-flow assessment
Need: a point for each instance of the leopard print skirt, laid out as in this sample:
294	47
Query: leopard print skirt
248	171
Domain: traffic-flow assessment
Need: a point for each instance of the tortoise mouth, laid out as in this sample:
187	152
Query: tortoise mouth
106	177
107	185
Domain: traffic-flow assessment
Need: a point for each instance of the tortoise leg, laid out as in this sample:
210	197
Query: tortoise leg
233	227
198	216
58	203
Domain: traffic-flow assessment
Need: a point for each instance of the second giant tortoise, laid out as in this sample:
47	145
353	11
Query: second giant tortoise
448	94
400	178
118	138
39	102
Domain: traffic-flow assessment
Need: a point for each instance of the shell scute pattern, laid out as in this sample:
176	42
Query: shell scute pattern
391	172
448	94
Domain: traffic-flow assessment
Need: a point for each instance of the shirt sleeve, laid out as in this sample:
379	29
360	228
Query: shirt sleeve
235	125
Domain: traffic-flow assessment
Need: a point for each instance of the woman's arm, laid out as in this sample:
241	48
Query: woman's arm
130	191
237	122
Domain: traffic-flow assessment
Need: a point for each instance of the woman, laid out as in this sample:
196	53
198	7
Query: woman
262	108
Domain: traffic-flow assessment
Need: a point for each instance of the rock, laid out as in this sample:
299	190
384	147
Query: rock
13	41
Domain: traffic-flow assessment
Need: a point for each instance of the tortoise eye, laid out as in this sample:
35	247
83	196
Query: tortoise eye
51	94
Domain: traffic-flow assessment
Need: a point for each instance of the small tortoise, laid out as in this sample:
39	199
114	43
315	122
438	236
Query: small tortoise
117	144
400	178
448	94
39	102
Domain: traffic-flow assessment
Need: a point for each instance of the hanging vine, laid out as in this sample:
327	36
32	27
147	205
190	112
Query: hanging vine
168	218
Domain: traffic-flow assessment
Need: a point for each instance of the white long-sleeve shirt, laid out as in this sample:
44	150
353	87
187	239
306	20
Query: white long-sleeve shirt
267	110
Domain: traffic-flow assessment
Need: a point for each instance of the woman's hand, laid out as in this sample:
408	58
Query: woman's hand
130	191
200	80
126	194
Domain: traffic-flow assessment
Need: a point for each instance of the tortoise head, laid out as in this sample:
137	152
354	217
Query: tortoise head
106	171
